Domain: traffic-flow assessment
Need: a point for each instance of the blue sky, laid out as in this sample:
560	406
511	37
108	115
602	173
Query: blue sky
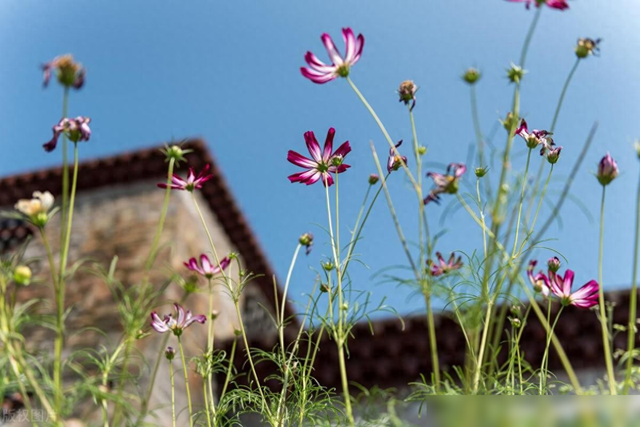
229	72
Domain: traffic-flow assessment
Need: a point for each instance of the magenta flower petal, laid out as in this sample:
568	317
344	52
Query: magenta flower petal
319	72
322	163
299	160
332	50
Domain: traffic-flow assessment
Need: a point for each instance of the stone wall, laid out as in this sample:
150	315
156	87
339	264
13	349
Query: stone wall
121	221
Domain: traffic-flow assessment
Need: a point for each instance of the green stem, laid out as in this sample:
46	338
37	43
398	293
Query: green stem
60	295
186	381
340	338
229	369
163	215
603	314
562	95
65	169
633	301
210	342
527	40
384	132
173	394
545	357
524	184
556	343
433	344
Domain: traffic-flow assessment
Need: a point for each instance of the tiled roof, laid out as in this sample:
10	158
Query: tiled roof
394	357
140	165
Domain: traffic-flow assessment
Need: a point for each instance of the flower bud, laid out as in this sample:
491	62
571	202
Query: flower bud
170	353
554	264
586	47
471	76
337	160
214	315
480	172
69	71
515	73
237	332
306	240
407	92
328	266
345	306
324	288
373	179
422	150
607	170
509	122
515	322
22	275
516	310
553	155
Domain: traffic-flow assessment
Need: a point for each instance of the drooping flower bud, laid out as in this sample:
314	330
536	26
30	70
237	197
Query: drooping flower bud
373	179
306	240
407	93
22	275
607	170
471	76
586	47
554	264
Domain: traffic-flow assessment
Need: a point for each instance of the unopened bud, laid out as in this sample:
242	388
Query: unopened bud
328	266
515	73
422	150
554	264
480	172
586	47
373	179
471	76
170	353
22	275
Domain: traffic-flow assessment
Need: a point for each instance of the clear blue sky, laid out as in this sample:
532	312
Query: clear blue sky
229	72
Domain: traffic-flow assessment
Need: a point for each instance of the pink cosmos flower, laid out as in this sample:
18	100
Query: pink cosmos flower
178	325
447	184
192	182
394	163
322	163
206	268
607	170
76	130
585	297
553	4
540	281
443	267
319	72
535	137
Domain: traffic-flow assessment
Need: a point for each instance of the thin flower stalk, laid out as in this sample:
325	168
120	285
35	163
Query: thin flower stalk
497	208
173	394
340	336
566	364
606	342
186	380
633	301
545	357
392	145
552	128
427	296
60	295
